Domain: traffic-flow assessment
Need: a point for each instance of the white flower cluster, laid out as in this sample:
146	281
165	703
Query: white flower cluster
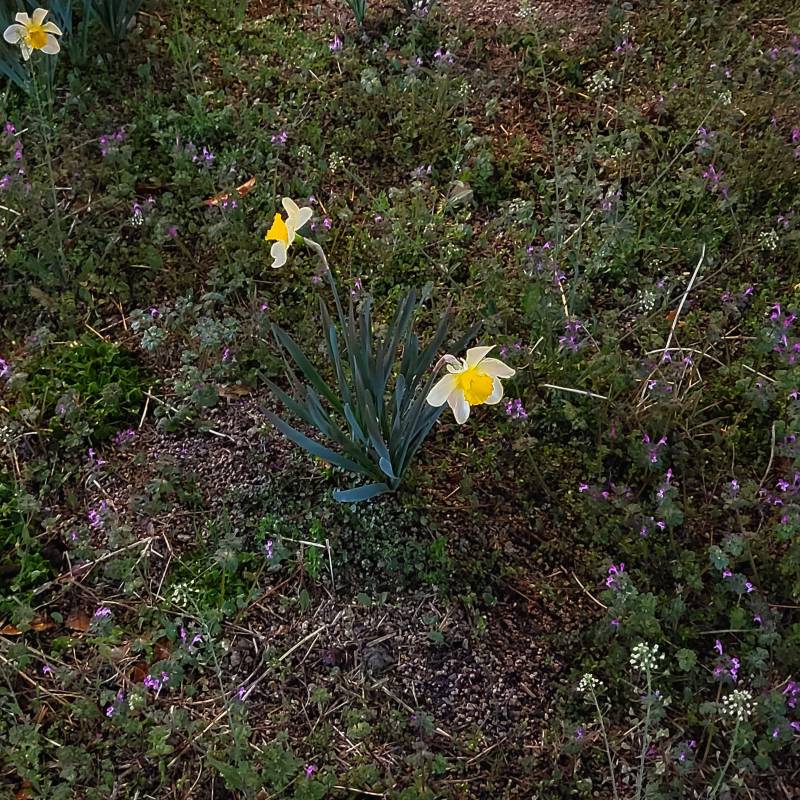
336	162
769	240
646	656
588	684
725	97
737	706
600	82
304	153
184	594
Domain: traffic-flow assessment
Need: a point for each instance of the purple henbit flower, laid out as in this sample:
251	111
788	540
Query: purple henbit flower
95	515
718	646
137	214
310	770
583	487
615	573
241	692
47	669
226	355
336	44
652	451
279	139
103	612
205	156
156	683
94	460
9	128
172	232
5	369
570	339
715	180
792	694
268	549
614	623
516	410
124	437
580	732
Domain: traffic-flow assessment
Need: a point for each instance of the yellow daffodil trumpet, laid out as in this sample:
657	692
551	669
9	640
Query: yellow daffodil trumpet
33	33
282	233
472	381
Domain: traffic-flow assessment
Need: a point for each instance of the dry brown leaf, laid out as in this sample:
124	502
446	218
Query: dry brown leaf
242	190
38	624
234	391
79	620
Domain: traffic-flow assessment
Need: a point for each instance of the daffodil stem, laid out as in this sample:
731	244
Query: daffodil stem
45	128
317	248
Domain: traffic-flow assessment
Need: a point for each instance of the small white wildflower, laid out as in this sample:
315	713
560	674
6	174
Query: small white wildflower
737	706
600	82
646	656
337	162
525	10
647	299
588	684
725	97
304	152
769	240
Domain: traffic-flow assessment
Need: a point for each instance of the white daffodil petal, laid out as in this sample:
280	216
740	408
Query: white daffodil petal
51	46
497	393
442	389
476	354
304	216
51	27
292	209
25	49
13	33
496	368
23	18
460	406
279	254
39	15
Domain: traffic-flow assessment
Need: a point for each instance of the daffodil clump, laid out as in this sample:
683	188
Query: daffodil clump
33	33
377	427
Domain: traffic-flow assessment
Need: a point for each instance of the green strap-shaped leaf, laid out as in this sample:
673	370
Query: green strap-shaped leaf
360	493
315	448
358	434
306	367
332	341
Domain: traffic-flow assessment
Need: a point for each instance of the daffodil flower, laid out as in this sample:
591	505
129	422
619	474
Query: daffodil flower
471	381
33	33
283	233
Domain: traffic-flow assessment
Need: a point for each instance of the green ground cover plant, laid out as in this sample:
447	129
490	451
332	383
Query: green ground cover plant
588	588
